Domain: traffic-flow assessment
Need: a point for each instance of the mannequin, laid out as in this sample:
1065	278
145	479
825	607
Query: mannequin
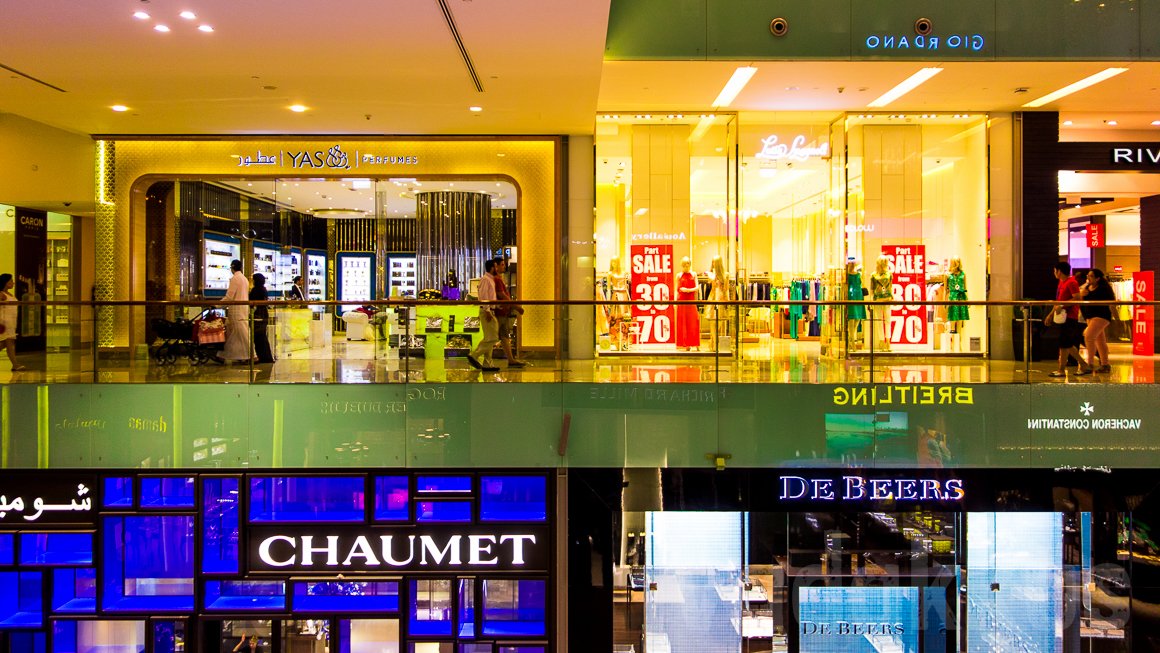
688	322
719	292
618	316
957	292
855	313
881	290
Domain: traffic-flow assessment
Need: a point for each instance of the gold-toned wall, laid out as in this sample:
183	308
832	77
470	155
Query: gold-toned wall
126	167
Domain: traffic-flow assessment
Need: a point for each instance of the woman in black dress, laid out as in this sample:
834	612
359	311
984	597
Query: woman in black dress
261	320
1098	318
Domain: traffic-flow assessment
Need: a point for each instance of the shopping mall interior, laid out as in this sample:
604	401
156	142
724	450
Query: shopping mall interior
623	326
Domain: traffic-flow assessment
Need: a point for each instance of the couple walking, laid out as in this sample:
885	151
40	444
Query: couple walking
495	321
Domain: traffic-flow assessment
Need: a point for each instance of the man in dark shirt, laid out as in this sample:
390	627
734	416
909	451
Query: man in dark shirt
1070	332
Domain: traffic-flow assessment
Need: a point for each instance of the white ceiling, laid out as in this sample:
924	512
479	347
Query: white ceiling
392	67
383	198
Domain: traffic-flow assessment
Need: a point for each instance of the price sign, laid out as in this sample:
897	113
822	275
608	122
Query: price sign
1095	236
651	282
1143	317
908	325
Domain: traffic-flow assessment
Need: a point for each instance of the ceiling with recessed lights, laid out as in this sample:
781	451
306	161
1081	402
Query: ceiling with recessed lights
375	67
385	198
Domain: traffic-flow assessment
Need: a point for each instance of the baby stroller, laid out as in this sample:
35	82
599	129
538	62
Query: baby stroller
198	339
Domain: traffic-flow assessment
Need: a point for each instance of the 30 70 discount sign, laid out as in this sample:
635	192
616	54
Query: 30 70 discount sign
652	289
908	321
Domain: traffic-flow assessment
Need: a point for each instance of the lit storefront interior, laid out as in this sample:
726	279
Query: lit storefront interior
791	207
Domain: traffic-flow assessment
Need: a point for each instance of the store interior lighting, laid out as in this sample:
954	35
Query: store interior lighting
905	86
1075	87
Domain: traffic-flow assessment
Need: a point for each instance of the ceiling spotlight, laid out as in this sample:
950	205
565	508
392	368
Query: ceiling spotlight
204	28
140	15
161	28
1111	123
1067	123
297	108
119	108
188	15
1156	123
475	109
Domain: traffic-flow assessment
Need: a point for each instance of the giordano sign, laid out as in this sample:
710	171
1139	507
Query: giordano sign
357	549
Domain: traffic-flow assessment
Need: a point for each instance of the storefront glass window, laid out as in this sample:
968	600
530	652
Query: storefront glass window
74	591
346	596
168	636
147	563
391	498
118	492
20	602
245	596
443	484
47	549
467	607
443	511
514	607
166	492
220	526
7	548
370	635
102	636
430	610
307	499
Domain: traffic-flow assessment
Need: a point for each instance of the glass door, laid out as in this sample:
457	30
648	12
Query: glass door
694	582
306	636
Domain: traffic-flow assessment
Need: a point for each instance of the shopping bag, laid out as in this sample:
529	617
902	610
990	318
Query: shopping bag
210	331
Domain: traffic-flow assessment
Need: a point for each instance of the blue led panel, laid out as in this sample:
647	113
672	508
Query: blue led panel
28	642
219	535
443	484
245	595
20	600
514	607
522	648
7	549
345	596
167	635
832	619
443	511
307	499
391	498
74	591
64	636
513	498
429	609
467	607
475	647
167	492
147	563
118	492
56	549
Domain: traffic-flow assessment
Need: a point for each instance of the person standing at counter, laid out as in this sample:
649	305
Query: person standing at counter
237	316
295	294
261	320
480	357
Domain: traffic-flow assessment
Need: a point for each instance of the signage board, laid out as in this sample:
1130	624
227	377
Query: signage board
355	549
1095	235
1143	317
35	500
651	277
908	325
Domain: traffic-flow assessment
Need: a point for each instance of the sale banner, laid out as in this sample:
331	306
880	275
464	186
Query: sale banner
1143	317
908	325
651	287
1095	236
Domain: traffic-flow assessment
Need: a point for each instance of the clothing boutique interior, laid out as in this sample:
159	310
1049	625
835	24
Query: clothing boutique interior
352	240
787	206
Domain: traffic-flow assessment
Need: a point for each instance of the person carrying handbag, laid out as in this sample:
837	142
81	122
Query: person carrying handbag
8	316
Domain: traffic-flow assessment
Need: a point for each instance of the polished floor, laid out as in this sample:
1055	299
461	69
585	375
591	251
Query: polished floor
781	361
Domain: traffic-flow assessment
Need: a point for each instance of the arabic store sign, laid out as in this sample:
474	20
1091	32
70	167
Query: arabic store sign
26	501
333	158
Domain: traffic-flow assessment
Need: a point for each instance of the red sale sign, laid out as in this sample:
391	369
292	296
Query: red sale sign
651	278
908	324
1143	334
1095	235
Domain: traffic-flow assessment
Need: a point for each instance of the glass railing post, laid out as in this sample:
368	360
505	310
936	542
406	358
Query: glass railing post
1027	343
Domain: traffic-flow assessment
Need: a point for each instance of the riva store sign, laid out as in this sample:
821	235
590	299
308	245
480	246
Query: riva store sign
360	549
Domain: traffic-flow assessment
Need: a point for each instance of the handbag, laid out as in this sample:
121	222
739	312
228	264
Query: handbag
1059	316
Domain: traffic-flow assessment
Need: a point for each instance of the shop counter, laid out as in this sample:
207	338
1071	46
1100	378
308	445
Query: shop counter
444	331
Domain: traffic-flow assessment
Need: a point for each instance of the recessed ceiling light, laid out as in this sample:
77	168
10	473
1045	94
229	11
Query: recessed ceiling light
297	108
905	86
119	108
188	15
1112	123
161	28
475	109
1156	123
140	15
1067	123
1090	80
737	81
204	28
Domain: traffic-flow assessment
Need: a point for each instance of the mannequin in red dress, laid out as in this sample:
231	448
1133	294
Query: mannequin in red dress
688	322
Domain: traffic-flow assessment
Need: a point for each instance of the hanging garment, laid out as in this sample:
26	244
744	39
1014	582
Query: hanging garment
854	293
688	321
957	292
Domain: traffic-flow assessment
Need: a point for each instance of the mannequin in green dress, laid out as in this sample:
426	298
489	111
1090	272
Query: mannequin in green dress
882	290
855	313
956	292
